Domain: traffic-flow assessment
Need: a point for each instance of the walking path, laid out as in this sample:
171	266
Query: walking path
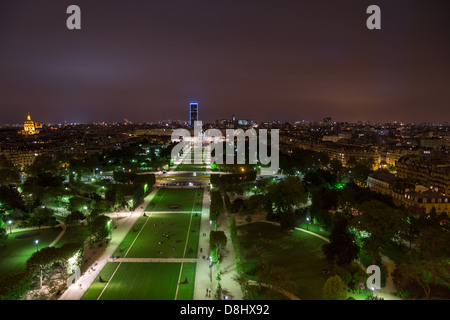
64	228
124	225
173	260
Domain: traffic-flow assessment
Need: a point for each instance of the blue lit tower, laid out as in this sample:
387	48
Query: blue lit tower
193	110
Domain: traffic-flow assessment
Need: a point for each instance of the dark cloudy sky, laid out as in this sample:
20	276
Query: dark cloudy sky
258	59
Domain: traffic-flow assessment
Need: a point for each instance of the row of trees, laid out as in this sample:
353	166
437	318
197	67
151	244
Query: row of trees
49	260
364	224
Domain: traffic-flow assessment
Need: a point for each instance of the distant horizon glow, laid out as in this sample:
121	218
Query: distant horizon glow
263	61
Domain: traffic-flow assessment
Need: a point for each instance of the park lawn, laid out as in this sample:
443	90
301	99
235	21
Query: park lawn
164	235
15	252
184	199
129	238
143	281
94	290
297	255
193	239
186	290
76	234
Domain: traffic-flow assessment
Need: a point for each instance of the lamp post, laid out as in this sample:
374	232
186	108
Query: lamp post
10	227
37	245
307	223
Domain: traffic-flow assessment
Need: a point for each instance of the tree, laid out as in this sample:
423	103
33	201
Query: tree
8	176
79	203
3	235
15	286
433	244
377	224
42	216
42	164
285	197
342	248
288	221
74	217
216	207
217	241
11	198
334	289
218	294
99	229
323	200
111	195
408	277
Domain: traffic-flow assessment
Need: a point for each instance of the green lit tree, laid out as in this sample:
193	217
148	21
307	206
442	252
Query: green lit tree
217	241
378	223
285	197
99	229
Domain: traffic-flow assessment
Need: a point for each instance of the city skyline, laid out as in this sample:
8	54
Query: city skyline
268	61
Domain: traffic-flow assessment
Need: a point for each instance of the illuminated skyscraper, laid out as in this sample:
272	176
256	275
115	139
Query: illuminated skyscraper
193	110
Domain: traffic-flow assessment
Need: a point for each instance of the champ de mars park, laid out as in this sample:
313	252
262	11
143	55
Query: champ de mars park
137	225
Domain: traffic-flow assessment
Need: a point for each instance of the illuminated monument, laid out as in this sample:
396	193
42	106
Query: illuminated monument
193	110
29	127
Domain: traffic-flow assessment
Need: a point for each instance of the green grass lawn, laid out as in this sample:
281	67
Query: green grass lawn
15	251
167	233
184	199
129	238
73	234
186	290
143	281
297	256
97	286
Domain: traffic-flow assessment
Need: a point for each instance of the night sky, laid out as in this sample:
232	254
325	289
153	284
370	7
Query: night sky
258	59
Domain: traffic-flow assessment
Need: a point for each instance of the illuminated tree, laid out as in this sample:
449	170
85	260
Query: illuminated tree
217	241
379	223
285	197
99	230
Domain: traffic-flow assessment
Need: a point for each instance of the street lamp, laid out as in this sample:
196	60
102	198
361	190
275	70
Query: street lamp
10	227
37	245
307	223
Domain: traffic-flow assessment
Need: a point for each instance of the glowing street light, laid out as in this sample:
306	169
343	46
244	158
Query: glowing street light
10	227
307	223
37	245
110	229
